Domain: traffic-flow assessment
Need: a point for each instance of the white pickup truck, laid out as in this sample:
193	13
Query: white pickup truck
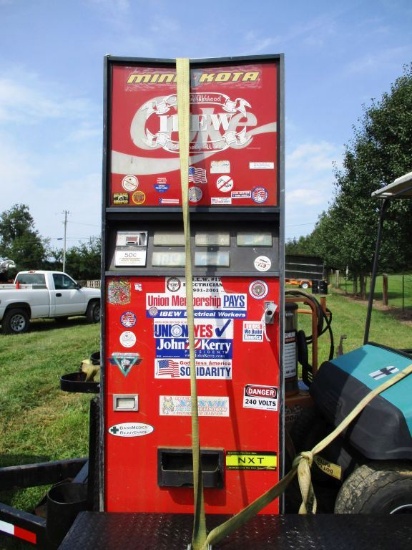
45	294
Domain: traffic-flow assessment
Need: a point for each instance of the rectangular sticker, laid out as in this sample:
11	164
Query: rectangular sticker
260	397
128	258
252	331
210	301
251	460
181	405
220	167
382	373
262	165
180	368
213	339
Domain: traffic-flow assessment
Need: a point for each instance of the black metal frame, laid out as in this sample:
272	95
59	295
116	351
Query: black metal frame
34	475
31	527
401	188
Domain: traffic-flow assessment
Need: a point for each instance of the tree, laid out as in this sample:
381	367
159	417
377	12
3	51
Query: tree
302	246
379	153
84	261
19	241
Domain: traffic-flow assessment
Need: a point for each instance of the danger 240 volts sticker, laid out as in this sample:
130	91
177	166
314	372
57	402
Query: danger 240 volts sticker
260	397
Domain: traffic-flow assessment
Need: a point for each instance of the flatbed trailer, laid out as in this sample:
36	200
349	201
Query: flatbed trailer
75	522
94	530
99	531
31	527
304	271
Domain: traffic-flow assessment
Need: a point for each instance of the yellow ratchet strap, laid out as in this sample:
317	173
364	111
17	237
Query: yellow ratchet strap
183	110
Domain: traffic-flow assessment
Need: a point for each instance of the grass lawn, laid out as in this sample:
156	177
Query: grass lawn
389	325
39	422
399	290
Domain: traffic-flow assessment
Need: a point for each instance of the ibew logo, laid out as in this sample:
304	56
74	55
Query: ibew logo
220	123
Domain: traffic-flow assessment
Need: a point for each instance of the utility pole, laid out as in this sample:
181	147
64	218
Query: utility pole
66	213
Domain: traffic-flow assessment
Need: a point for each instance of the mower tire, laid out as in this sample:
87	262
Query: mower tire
377	488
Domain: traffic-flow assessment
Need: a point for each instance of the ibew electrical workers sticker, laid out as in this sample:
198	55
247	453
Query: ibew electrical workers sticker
258	289
260	397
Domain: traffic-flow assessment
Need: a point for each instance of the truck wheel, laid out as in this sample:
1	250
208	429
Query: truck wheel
15	321
93	312
377	488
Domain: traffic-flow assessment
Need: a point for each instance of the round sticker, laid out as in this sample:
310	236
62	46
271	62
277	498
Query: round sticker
258	289
176	331
130	183
224	184
262	263
259	194
173	284
195	194
138	197
128	319
127	339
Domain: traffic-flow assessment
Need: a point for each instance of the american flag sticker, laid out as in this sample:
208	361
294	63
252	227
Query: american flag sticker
385	371
197	175
168	368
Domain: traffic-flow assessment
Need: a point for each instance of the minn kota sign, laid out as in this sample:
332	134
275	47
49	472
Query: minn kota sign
236	209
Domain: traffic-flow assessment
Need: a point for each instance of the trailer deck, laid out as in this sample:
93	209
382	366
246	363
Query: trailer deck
103	531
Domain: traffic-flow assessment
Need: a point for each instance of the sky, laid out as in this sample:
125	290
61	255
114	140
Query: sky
339	55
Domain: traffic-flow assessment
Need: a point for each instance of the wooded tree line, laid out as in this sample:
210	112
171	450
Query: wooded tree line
22	243
344	235
380	151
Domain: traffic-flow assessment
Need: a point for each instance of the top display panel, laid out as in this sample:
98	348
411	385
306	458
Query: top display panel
234	134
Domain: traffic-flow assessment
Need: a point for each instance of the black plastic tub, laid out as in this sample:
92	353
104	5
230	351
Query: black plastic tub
76	382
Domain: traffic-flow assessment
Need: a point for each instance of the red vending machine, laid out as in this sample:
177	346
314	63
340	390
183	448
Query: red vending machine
236	184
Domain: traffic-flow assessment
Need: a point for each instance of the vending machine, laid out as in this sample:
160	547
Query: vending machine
236	194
